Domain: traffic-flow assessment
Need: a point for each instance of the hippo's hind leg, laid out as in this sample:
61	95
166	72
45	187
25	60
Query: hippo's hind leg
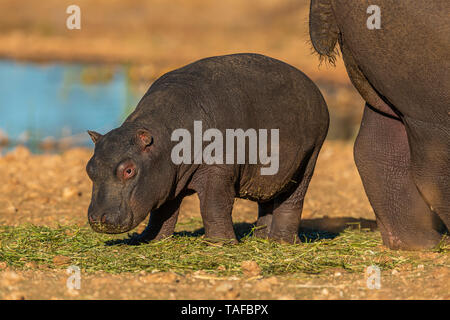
287	207
382	156
430	164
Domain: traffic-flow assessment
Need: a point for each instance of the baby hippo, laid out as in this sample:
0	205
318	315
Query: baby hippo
235	126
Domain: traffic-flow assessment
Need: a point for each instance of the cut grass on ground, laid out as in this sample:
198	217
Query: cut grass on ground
29	246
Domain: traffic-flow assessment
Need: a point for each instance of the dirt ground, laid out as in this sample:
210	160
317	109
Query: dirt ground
416	284
54	189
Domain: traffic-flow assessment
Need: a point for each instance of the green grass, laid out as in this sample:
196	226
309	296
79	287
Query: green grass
187	251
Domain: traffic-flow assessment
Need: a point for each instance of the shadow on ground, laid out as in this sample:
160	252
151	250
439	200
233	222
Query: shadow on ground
310	230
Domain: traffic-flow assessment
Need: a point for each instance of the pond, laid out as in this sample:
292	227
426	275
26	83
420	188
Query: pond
50	106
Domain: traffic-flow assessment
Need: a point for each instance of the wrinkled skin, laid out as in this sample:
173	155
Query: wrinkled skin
402	71
133	174
119	170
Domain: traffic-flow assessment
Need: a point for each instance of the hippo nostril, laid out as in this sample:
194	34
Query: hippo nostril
95	219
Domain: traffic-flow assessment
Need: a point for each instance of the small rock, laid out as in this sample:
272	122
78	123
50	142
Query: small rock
325	291
394	272
43	266
69	192
69	233
232	294
31	265
61	260
337	274
224	287
420	266
160	277
11	209
250	268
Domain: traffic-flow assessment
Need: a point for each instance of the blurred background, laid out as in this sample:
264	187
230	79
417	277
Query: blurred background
56	83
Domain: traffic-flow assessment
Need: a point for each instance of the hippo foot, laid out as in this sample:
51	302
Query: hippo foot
220	241
285	239
141	238
261	231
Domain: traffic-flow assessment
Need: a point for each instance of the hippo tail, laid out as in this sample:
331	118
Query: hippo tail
323	30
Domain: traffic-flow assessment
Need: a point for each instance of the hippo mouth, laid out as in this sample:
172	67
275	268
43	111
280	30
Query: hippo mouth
102	226
110	222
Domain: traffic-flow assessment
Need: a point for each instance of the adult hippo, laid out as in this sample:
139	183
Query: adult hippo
401	69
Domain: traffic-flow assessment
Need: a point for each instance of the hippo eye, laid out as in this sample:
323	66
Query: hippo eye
128	173
126	170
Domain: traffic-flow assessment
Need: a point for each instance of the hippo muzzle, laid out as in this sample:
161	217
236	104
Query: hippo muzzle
110	220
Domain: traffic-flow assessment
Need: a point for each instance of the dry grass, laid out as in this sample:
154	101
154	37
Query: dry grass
187	252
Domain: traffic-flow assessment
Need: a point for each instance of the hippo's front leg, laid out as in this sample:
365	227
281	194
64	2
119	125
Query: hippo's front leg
162	221
216	194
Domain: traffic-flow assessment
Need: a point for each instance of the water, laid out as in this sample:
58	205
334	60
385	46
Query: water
51	106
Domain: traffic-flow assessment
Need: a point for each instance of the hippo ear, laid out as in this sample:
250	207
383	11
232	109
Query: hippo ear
95	136
144	139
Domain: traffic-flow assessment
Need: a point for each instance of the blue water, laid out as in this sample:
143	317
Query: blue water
39	102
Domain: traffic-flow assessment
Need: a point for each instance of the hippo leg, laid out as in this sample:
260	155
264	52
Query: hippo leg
286	221
287	208
265	210
216	197
382	156
162	221
430	164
